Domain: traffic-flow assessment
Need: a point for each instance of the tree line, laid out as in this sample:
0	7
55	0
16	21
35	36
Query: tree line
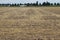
32	4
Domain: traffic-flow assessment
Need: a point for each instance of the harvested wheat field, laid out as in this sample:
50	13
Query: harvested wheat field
29	23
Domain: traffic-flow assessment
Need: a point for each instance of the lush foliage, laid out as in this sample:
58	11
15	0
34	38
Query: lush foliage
32	4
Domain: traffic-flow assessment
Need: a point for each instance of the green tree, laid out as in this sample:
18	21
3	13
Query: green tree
36	3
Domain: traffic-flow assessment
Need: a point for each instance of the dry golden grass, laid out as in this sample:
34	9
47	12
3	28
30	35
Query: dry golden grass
29	23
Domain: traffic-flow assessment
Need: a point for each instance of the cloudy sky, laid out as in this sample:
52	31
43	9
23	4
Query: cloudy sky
26	1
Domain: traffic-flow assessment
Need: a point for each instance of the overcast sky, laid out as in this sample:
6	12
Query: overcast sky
27	1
